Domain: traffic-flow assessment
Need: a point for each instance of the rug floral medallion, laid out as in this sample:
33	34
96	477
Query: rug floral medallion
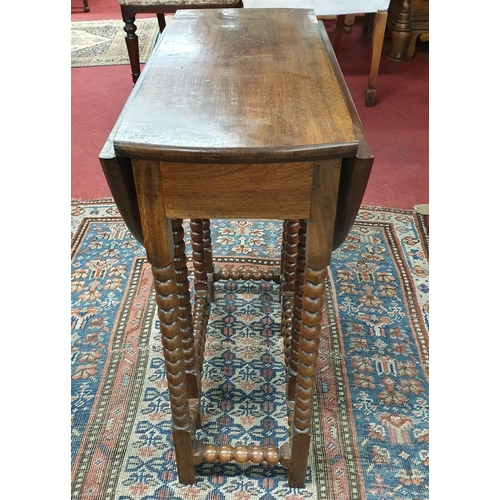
370	418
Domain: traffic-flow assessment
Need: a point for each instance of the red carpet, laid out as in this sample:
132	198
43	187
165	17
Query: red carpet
397	127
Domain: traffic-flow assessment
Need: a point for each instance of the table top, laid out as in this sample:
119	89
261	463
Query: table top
245	85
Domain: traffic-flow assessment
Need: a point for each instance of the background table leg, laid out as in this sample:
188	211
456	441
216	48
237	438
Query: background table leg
297	310
193	378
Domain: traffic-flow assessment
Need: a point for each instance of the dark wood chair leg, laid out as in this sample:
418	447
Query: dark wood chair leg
86	7
161	21
132	42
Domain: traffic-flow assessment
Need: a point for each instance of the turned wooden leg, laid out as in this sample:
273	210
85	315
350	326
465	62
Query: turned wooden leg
161	21
319	244
282	260
213	272
132	42
412	45
203	287
377	43
207	246
289	255
313	301
287	286
199	262
401	34
184	307
293	357
159	244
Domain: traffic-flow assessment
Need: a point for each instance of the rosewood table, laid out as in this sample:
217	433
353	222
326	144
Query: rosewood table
239	113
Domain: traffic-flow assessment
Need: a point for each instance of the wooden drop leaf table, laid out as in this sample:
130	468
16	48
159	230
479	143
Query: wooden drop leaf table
239	113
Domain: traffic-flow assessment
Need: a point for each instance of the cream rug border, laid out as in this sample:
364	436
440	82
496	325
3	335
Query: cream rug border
89	49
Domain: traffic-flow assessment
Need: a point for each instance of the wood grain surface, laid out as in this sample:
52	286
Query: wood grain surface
253	85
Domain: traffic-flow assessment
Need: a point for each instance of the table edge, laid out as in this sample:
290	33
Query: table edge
235	155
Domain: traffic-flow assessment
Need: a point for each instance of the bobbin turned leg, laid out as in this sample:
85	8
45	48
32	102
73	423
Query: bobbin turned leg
320	230
287	289
293	358
201	282
289	256
159	245
203	285
313	301
193	377
213	272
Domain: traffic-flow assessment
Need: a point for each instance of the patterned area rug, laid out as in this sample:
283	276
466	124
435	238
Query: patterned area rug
102	43
370	423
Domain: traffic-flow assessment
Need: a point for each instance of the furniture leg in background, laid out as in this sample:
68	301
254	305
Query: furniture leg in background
408	20
130	8
339	9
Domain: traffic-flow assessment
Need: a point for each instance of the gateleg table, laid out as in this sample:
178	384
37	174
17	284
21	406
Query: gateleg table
239	114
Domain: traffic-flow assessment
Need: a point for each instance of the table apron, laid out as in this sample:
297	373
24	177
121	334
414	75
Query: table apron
254	191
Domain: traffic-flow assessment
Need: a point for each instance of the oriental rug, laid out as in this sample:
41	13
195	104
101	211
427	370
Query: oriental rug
370	422
102	43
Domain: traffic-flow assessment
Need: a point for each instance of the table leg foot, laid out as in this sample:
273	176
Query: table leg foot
298	463
370	95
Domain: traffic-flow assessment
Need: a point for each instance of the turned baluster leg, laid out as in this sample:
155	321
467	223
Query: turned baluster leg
377	43
161	21
293	358
185	315
159	244
401	34
320	231
132	42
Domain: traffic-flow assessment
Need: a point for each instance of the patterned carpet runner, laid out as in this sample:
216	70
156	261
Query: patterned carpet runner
102	43
370	424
